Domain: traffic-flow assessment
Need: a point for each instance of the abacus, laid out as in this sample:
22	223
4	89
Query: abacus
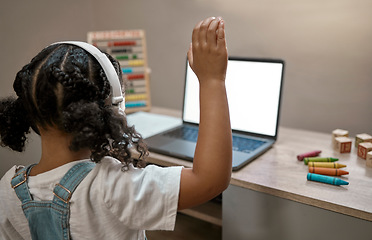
129	48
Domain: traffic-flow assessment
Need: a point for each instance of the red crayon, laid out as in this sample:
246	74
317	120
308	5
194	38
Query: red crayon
327	171
309	154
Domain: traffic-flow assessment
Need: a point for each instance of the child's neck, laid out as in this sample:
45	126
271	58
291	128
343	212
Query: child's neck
55	151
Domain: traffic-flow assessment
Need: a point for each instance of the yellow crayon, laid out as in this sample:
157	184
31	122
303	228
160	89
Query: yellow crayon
326	164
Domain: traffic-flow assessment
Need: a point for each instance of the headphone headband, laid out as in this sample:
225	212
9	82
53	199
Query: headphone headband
108	68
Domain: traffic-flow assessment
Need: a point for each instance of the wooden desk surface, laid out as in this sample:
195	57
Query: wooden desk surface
279	173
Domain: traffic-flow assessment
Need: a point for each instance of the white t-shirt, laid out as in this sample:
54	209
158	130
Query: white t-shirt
108	203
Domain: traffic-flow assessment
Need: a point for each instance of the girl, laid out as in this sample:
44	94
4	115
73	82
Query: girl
87	184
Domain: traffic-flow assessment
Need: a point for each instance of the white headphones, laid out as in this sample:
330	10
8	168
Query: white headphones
116	93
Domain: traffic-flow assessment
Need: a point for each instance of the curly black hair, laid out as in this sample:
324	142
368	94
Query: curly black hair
66	88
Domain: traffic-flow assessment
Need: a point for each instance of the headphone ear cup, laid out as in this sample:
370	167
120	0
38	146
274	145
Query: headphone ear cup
121	108
120	111
117	97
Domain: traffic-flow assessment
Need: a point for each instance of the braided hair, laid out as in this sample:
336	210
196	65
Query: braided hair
64	87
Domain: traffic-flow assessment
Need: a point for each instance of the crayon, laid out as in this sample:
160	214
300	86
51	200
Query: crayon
326	179
328	171
318	159
301	157
326	164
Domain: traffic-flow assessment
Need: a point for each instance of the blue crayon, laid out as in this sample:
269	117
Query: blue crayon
326	179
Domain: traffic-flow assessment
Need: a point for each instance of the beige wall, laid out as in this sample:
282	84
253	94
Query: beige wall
327	46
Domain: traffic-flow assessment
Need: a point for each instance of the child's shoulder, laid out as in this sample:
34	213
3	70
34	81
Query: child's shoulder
5	186
10	174
112	170
112	164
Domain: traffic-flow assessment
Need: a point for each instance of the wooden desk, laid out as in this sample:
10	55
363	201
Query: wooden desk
279	173
271	198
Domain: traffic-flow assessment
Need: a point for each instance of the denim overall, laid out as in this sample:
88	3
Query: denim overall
50	219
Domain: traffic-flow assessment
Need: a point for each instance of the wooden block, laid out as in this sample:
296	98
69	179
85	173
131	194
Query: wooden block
343	144
363	137
363	149
338	133
369	159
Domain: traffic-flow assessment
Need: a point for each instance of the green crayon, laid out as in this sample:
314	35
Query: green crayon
319	159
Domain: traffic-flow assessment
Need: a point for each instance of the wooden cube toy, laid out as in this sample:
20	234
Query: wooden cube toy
338	133
369	159
363	137
363	149
343	144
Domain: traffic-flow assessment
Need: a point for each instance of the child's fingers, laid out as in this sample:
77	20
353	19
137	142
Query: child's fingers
203	30
221	41
212	30
195	34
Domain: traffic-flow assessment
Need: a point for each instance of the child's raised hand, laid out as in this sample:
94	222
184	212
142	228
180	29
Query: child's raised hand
211	170
208	53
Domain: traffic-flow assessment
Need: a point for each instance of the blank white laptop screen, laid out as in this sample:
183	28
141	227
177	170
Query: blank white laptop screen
253	92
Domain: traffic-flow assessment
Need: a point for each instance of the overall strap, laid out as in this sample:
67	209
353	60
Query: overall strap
64	189
19	184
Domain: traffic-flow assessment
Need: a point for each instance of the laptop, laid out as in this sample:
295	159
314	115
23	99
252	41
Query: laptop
254	89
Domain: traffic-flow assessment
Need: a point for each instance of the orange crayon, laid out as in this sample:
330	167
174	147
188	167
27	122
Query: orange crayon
328	171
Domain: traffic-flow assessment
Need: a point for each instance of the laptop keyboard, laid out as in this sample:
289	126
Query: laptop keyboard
239	143
245	144
185	133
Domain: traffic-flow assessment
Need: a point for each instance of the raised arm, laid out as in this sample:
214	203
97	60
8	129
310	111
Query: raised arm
211	170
